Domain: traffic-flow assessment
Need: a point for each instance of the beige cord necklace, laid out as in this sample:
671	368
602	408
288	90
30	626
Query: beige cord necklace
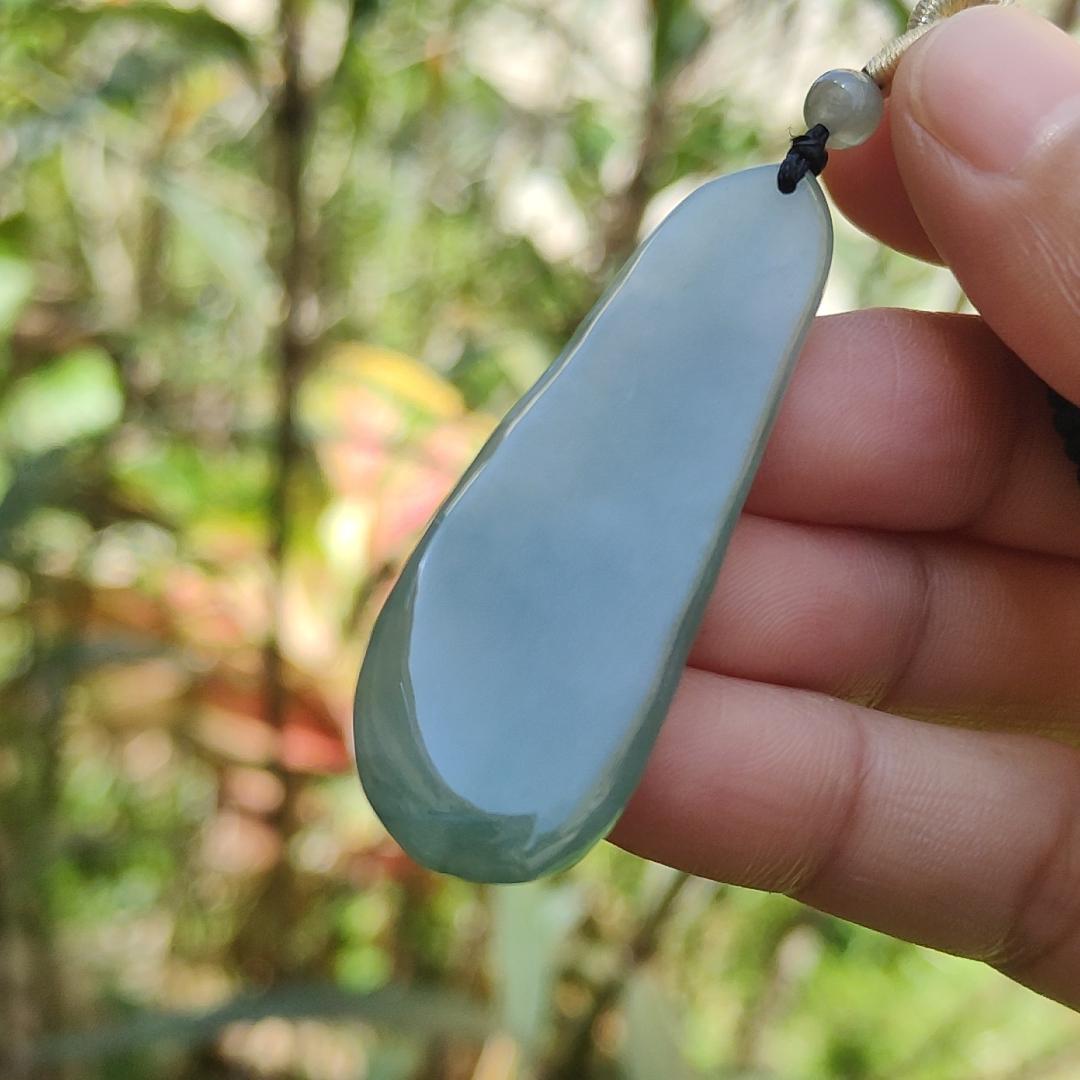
927	14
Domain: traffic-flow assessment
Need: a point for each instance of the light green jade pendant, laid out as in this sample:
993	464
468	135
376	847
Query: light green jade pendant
519	673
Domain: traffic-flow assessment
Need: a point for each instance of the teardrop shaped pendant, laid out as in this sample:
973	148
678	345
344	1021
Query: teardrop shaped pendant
519	672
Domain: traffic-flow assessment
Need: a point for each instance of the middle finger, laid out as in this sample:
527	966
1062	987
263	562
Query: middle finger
920	625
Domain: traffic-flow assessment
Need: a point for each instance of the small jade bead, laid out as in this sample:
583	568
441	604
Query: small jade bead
848	103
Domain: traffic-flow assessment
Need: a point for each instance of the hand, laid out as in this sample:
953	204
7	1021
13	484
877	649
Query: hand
911	553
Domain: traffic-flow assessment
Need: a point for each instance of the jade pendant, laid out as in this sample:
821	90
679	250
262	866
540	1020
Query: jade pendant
521	668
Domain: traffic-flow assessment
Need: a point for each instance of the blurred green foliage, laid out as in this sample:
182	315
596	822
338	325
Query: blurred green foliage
267	278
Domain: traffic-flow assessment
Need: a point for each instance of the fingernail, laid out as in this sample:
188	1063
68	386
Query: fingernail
990	82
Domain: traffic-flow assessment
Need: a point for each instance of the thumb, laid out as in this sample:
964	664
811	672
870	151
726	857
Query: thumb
986	133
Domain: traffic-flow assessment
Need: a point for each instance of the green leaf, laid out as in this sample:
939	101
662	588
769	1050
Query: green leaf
361	11
679	31
650	1050
33	482
80	657
407	1009
531	924
899	12
74	396
16	286
196	29
227	240
393	1061
184	482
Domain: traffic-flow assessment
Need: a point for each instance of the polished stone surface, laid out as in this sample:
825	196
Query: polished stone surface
849	103
519	672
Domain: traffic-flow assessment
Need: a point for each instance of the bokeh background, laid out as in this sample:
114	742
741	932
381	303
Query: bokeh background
269	274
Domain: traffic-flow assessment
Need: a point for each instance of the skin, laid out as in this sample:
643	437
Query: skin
911	553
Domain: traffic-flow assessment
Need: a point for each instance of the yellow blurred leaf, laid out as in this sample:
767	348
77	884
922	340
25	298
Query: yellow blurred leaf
401	377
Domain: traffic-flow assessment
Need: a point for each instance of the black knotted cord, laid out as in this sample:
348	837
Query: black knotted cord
807	155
